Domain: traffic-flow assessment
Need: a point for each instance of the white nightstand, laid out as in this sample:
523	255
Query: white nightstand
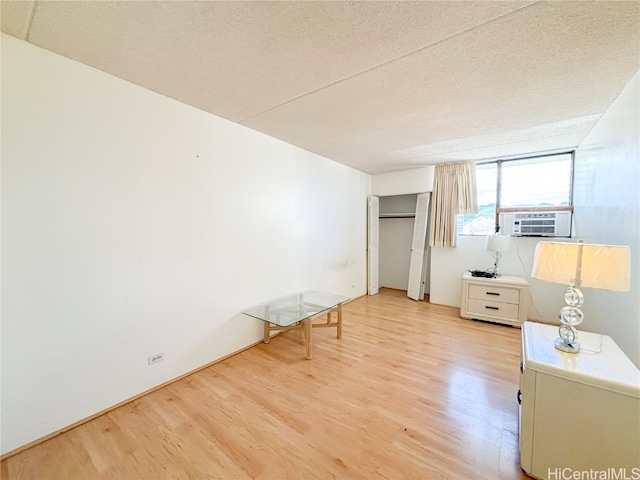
503	299
578	412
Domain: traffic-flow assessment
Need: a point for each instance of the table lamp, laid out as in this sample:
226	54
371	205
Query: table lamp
580	265
498	244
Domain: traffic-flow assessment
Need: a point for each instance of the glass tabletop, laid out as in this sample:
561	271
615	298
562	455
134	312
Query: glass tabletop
295	308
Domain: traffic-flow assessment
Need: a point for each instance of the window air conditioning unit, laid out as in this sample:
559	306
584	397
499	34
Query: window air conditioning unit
536	224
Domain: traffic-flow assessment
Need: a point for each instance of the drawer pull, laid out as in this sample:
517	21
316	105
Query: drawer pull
519	397
491	308
521	367
493	293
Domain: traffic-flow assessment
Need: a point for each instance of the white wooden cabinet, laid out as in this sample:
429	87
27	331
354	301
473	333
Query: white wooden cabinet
503	299
579	412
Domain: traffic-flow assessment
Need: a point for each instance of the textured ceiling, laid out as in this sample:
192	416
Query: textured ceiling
379	86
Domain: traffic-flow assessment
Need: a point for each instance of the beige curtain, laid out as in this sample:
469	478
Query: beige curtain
454	192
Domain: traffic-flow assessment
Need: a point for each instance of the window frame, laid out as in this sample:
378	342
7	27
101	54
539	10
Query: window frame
499	162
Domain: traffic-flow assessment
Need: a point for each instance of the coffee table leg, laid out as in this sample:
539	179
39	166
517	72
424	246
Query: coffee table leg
266	332
308	343
339	327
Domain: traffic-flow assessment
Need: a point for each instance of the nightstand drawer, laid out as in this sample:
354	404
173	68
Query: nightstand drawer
494	309
494	293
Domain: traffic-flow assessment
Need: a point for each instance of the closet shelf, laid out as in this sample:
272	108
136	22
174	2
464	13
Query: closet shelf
397	215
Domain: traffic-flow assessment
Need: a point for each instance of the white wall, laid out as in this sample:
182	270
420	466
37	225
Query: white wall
133	224
417	180
607	210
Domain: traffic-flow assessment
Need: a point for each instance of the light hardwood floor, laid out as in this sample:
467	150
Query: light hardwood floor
410	391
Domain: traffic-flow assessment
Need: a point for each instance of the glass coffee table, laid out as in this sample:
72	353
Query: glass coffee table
298	311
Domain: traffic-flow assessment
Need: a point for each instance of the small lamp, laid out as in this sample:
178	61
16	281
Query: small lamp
497	244
605	267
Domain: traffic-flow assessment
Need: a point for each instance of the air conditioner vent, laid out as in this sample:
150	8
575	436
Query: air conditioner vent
536	224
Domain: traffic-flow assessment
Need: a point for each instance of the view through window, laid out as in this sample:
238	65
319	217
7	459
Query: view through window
535	182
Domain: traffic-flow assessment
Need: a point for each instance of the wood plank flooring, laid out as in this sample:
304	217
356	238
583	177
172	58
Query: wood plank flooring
410	391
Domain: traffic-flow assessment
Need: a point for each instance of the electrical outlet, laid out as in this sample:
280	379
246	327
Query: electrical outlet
158	357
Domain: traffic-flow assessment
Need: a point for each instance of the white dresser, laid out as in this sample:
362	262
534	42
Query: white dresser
578	411
503	299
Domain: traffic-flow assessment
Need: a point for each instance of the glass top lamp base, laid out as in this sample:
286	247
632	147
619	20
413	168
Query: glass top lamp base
567	347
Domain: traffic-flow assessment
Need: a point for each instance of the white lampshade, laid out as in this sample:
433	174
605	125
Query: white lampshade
498	243
606	267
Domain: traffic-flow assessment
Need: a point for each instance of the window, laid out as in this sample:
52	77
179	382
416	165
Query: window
484	222
539	183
